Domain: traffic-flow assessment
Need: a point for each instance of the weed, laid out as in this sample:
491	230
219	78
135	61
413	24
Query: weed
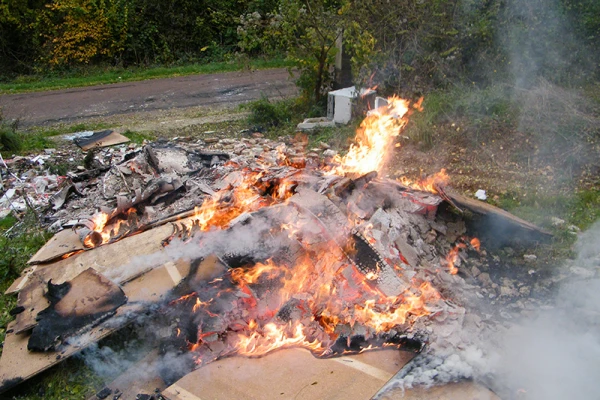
335	137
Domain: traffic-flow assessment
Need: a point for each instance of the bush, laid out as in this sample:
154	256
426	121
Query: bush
266	113
9	139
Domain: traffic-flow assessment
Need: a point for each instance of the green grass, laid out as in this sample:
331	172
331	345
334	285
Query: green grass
71	379
138	137
97	75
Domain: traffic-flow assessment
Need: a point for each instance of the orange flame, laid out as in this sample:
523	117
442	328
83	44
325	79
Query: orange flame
374	138
428	184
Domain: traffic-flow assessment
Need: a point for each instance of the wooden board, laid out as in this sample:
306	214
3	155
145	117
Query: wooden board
18	364
64	242
291	374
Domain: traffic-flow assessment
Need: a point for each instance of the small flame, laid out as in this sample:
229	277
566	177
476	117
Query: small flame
429	184
453	258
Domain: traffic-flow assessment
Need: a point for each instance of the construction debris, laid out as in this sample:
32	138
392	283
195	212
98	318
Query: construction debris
240	248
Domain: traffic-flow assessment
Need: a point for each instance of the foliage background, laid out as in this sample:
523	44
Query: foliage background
407	46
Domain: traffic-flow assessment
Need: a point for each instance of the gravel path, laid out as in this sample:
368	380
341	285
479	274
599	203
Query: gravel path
211	90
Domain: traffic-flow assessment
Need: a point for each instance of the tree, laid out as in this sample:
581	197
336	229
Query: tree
307	31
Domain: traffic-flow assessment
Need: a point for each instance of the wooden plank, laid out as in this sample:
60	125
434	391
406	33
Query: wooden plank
64	242
18	364
291	374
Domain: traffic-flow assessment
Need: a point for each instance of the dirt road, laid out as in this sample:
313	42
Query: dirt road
212	90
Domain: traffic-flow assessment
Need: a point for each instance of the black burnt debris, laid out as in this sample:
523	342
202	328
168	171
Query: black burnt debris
83	302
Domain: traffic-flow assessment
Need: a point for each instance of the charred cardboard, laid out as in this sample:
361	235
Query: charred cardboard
103	259
74	306
100	139
32	300
291	374
64	242
18	364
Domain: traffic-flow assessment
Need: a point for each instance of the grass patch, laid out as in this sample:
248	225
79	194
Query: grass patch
71	379
337	138
138	137
483	108
98	75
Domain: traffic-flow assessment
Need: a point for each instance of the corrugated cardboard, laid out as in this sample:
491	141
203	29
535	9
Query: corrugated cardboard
291	374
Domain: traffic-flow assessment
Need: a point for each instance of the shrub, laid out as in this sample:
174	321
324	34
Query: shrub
9	139
267	113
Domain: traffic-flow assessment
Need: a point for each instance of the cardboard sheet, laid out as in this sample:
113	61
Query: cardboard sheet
104	259
101	139
453	391
291	374
74	306
18	364
64	242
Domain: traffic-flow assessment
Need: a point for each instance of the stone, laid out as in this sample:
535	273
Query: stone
485	279
530	257
557	221
311	124
330	153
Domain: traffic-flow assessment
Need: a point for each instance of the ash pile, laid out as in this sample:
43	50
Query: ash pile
242	248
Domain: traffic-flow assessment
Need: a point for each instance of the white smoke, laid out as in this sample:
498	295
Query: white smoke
552	356
557	354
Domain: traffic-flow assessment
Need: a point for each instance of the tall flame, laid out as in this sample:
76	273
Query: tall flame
373	138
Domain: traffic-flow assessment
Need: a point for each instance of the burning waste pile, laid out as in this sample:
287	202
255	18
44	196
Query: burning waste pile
287	249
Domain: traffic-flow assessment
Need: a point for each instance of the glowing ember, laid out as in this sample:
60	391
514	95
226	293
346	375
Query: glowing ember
453	257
